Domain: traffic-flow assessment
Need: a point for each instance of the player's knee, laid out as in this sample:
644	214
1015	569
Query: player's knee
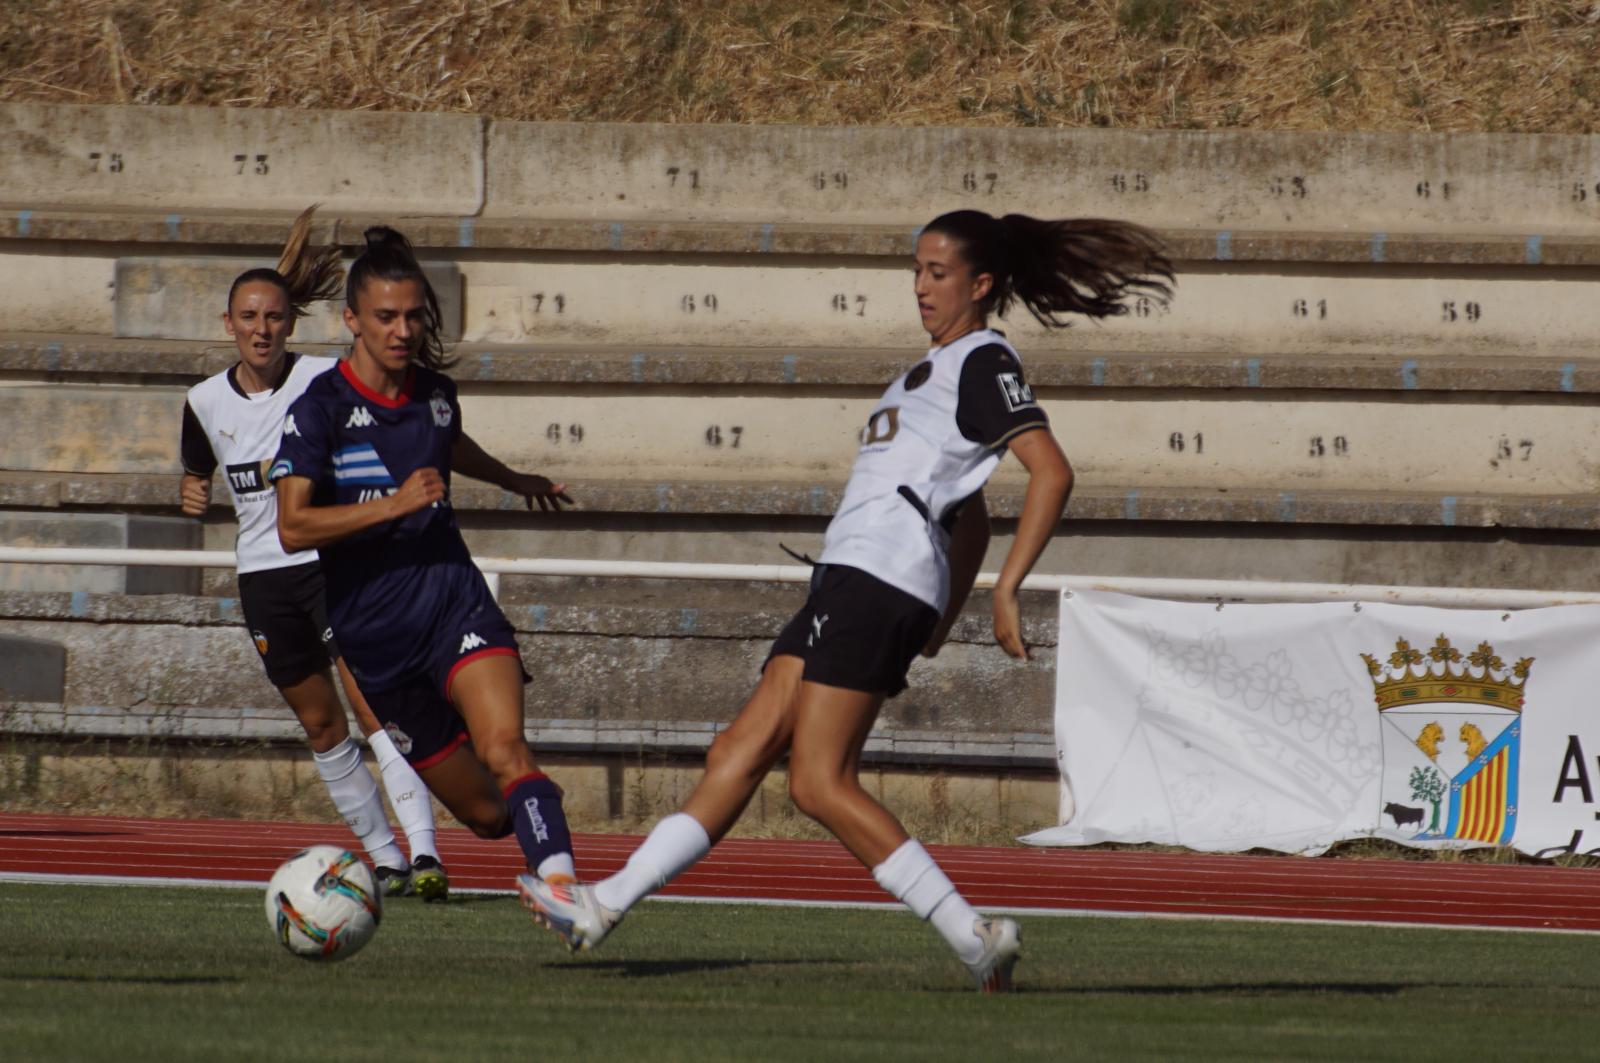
507	758
486	819
812	792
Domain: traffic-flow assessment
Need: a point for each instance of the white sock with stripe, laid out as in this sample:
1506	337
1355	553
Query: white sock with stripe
355	795
911	875
408	794
675	844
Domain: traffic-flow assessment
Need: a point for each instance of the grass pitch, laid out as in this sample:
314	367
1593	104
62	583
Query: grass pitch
140	973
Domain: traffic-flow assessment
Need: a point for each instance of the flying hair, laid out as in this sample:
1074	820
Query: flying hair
1089	266
388	256
305	275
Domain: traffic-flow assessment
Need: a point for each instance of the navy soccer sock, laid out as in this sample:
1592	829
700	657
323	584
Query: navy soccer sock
541	825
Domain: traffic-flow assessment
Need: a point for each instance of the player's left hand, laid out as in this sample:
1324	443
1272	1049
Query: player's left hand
1008	624
548	494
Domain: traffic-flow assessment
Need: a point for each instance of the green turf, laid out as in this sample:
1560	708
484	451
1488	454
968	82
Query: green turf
166	974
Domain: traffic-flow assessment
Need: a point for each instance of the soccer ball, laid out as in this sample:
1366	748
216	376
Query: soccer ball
323	904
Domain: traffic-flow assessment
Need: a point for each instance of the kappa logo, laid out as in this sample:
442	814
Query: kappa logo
1452	734
1018	394
816	629
360	417
401	740
289	428
441	409
471	641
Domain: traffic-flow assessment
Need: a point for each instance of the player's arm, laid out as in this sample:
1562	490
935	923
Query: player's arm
469	459
969	541
303	526
1049	484
199	462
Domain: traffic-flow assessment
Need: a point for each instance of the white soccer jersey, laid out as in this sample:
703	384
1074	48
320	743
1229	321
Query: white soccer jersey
222	425
931	442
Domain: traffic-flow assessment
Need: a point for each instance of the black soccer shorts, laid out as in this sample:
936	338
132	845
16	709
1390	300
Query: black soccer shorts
857	632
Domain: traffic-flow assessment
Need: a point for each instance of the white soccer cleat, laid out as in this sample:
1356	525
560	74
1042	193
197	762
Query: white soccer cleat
1002	947
568	908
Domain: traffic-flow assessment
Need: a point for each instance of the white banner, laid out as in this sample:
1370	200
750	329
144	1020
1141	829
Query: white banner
1291	727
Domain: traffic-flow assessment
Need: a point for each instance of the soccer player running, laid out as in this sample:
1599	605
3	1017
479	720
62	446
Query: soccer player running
898	562
234	419
363	477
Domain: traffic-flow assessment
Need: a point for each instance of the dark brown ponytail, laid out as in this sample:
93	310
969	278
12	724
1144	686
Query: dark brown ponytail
305	275
1084	266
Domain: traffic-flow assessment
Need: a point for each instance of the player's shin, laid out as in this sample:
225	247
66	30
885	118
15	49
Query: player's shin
355	795
675	844
541	826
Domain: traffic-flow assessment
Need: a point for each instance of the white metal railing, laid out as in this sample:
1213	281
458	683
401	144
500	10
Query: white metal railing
1188	589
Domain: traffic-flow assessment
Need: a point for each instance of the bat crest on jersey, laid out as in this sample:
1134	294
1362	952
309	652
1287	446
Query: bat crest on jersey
919	375
1018	394
441	409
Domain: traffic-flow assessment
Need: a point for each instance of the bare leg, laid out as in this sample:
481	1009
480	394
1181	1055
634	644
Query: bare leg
358	704
831	725
316	705
742	755
469	792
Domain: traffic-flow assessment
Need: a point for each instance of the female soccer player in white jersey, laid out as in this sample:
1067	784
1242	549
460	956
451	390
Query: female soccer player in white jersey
234	419
363	476
898	561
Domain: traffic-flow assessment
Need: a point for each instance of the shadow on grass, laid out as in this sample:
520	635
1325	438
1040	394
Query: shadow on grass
668	968
113	979
1352	989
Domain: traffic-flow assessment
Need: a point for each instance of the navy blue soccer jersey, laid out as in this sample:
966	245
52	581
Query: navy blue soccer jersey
398	590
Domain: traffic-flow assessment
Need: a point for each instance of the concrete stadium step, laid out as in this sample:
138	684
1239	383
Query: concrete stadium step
1190	244
795	437
67	359
173	159
799	301
764	499
184	668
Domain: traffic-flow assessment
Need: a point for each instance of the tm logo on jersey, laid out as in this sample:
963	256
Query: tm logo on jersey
360	466
1017	393
361	417
471	641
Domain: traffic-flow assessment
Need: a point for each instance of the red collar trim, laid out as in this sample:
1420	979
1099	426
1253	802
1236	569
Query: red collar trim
372	396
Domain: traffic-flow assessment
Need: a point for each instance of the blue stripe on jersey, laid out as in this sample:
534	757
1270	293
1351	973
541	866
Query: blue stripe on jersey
360	466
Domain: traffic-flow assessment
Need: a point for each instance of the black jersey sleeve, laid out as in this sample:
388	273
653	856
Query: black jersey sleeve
194	449
995	402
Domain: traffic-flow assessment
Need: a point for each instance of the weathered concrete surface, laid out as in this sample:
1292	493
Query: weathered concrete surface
51	291
107	428
32	669
734	500
99	530
183	299
608	677
103	359
1375	181
175	159
1141	439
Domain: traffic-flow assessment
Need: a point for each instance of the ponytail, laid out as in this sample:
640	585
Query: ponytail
1086	266
304	275
388	256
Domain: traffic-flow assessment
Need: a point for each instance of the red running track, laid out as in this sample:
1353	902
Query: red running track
1063	881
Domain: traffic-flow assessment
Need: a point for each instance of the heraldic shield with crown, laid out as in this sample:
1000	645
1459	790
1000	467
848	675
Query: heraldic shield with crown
1452	729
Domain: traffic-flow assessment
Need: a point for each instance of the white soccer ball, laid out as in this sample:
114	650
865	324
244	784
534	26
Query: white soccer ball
323	903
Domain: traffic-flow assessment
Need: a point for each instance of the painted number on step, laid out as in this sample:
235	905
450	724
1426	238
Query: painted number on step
1308	308
1178	443
717	435
1427	189
691	178
973	181
109	161
1129	182
557	302
560	433
822	180
1338	446
1453	312
259	168
1506	451
1292	187
708	302
842	304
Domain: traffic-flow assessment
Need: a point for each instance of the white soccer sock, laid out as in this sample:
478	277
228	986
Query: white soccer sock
911	875
355	795
557	864
407	793
675	843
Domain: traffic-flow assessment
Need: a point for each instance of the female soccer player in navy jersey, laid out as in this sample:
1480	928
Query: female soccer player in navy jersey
234	419
898	561
363	477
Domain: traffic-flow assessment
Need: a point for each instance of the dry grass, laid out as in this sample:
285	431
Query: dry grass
1515	65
